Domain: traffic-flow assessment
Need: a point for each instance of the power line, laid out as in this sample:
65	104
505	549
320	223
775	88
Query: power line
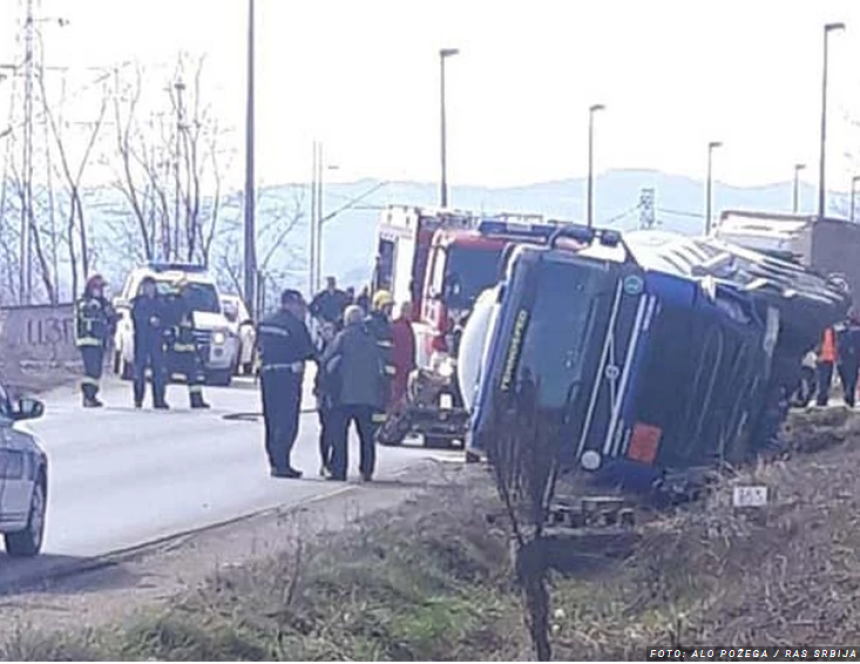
681	213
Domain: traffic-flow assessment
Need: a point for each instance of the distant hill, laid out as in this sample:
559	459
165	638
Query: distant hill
349	236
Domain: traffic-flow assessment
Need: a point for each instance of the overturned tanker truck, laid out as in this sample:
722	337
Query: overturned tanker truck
656	354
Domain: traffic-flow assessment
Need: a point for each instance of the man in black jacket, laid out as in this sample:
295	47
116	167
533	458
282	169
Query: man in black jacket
379	324
848	356
149	315
328	306
353	364
95	319
285	345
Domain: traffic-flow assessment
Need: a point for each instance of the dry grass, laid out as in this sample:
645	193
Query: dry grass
431	581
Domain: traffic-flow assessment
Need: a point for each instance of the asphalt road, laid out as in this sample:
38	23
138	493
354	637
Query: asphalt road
121	477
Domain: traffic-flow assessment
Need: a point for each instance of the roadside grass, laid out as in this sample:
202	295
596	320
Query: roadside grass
431	581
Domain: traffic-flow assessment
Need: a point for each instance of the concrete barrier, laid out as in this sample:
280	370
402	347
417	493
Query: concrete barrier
37	345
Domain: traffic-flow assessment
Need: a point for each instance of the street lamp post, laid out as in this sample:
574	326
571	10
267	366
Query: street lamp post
828	28
795	197
443	55
854	182
590	196
250	239
711	147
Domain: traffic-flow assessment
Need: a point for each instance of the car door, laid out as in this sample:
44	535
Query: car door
14	494
19	468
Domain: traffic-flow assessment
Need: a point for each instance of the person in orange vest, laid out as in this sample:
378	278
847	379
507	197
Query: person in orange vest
826	360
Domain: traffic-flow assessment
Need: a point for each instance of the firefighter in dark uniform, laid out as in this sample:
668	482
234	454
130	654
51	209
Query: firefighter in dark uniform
285	345
95	319
149	313
378	323
183	354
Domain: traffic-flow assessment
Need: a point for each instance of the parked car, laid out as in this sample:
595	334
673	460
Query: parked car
242	327
218	347
23	477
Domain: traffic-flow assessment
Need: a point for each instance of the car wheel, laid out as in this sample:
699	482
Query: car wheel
28	542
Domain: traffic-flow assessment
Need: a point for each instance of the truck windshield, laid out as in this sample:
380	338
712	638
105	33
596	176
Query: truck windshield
469	270
200	297
563	297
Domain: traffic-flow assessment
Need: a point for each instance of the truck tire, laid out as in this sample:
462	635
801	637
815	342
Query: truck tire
439	442
28	542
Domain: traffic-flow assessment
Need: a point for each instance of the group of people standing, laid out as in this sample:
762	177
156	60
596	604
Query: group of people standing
839	351
164	340
363	359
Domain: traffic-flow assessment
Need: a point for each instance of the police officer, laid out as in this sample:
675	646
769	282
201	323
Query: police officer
149	314
379	325
184	354
94	321
285	345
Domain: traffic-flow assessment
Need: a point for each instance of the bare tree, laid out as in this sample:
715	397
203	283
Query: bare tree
281	218
523	452
76	227
182	138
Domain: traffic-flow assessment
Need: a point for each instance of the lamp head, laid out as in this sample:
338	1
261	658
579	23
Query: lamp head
830	27
448	52
714	144
596	107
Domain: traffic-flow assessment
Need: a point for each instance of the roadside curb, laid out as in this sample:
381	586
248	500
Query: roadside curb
64	570
43	577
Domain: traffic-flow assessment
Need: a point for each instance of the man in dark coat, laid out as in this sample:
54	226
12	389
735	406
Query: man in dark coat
378	322
328	306
94	323
149	314
353	363
325	392
285	345
848	356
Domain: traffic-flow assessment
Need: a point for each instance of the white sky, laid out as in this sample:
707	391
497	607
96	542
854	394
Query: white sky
362	75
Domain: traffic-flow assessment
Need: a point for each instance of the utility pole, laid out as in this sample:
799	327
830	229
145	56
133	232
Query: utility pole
590	195
646	209
250	195
795	198
854	181
26	268
318	224
443	194
822	184
312	234
711	147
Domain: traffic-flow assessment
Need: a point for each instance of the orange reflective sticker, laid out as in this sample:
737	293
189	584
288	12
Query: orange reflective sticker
644	442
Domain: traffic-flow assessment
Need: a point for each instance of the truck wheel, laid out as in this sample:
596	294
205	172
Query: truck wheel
28	542
439	442
221	378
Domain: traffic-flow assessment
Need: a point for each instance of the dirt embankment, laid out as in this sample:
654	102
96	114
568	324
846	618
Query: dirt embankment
425	576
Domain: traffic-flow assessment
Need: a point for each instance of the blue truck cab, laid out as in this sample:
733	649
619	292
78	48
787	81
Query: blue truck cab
648	353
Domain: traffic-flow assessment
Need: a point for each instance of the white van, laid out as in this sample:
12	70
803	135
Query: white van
218	345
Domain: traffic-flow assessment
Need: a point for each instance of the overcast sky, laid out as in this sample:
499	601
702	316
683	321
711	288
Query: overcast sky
363	76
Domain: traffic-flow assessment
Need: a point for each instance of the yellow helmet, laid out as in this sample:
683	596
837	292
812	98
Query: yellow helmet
382	299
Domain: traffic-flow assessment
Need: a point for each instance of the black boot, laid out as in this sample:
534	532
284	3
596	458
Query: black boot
197	402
